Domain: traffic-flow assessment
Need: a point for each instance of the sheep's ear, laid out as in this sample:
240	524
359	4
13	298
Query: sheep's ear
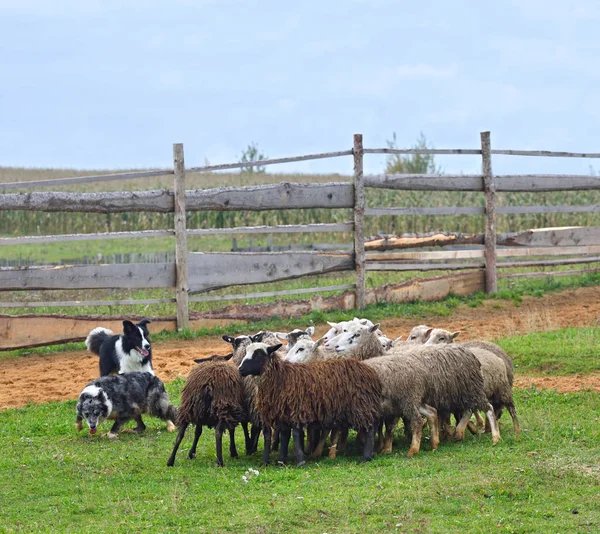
282	335
229	339
454	335
319	342
333	325
128	326
199	360
310	330
228	357
258	337
273	348
427	334
396	340
374	327
362	321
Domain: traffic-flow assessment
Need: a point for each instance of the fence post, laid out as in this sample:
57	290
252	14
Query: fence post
359	222
181	287
491	280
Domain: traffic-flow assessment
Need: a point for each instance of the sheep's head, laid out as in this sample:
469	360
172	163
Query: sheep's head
419	334
439	336
257	355
295	335
303	350
237	342
355	337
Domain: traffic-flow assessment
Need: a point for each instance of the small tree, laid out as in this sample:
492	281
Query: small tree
250	156
413	163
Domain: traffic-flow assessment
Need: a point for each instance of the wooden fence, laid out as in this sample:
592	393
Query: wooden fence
194	273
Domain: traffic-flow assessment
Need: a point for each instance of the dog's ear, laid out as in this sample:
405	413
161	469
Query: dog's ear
229	339
144	322
128	327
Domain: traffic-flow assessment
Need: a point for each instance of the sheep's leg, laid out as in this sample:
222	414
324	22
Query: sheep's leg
232	450
313	435
335	436
369	445
254	435
267	448
284	436
513	414
379	437
445	426
298	445
343	441
493	424
318	450
276	438
459	433
434	426
247	441
390	428
406	424
180	434
219	443
478	420
197	434
416	430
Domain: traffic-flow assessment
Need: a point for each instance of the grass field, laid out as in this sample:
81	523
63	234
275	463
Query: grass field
54	479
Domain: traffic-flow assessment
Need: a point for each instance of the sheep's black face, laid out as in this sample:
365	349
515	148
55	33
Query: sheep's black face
256	357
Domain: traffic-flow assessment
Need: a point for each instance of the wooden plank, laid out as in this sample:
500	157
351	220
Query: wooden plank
134	275
431	151
83	179
181	252
116	202
555	237
542	263
280	229
547	153
272	161
83	303
359	223
264	294
426	182
430	239
449	210
26	240
504	183
548	273
422	266
214	270
469	254
284	195
23	331
489	239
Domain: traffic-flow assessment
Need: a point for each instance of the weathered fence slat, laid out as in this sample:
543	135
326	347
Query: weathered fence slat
25	240
373	266
83	303
280	229
458	210
302	291
491	282
214	270
359	223
549	273
136	275
181	254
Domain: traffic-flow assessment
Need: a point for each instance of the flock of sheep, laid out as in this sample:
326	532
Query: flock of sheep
354	377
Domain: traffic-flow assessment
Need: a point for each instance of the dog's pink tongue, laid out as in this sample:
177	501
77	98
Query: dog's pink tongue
93	430
143	352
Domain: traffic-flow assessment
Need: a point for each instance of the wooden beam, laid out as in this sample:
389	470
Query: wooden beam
489	240
181	253
280	229
555	237
28	239
83	179
214	270
373	266
264	294
544	263
359	223
549	273
426	182
134	275
83	303
424	211
272	161
431	151
432	239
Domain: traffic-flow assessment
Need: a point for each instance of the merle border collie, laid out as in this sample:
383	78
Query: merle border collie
123	398
122	353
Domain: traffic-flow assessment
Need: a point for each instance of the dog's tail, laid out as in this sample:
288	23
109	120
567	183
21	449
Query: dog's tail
96	337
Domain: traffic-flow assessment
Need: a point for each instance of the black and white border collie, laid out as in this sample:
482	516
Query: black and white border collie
123	398
128	352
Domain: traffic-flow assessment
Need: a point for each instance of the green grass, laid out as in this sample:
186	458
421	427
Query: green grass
559	352
56	480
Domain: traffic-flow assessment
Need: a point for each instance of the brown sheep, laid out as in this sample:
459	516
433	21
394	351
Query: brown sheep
329	394
213	396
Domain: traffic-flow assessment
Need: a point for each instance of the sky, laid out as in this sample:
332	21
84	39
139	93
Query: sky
113	84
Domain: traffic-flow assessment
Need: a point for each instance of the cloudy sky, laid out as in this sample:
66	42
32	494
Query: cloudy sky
113	84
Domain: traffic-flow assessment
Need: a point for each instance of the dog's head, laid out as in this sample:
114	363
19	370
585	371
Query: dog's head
94	406
137	336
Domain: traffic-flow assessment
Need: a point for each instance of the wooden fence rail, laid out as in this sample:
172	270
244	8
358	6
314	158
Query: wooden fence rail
194	273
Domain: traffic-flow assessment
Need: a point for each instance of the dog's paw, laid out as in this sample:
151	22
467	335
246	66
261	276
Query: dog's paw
112	435
171	426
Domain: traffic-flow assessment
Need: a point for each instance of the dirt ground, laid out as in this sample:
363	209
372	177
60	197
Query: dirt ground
61	376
